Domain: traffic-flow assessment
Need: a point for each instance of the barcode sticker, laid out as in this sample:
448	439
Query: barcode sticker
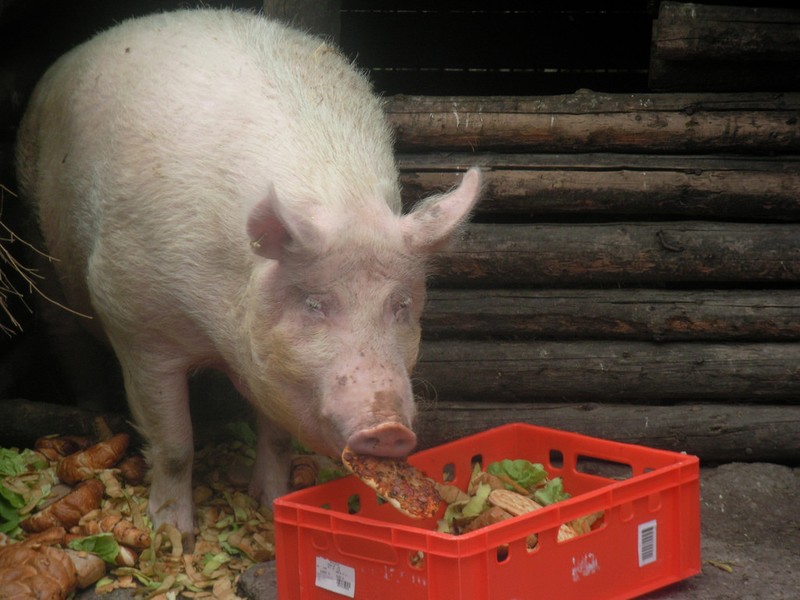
647	543
336	577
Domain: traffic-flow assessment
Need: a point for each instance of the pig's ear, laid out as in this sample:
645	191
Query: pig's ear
272	227
434	221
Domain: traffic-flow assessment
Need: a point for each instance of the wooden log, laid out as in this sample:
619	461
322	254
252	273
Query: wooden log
717	433
622	253
632	314
607	371
25	420
546	186
688	31
594	122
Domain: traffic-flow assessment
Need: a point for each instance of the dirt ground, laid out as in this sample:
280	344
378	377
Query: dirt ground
751	524
750	539
750	532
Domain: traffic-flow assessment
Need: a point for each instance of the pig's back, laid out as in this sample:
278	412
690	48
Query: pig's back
202	109
167	128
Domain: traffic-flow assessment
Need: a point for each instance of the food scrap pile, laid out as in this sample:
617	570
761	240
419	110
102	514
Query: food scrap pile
73	514
506	489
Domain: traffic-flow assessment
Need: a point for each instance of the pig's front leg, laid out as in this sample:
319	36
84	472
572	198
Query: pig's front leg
158	395
271	469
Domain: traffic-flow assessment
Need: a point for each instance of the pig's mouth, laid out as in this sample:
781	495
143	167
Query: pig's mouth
322	436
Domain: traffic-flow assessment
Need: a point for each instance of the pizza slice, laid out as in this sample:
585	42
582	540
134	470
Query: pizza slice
398	482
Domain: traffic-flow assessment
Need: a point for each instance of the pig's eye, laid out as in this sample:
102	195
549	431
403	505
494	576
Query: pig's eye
401	307
314	305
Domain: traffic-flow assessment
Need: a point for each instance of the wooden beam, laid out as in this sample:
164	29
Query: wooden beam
547	186
690	32
607	371
724	48
594	122
563	255
24	421
717	433
614	314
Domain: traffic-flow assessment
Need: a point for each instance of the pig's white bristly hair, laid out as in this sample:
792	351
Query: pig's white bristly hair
334	127
331	127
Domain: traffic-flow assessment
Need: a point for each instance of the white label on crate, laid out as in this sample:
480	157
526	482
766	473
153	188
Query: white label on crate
336	577
647	543
584	566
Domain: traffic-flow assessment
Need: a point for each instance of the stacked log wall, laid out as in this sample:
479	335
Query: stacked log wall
706	46
631	272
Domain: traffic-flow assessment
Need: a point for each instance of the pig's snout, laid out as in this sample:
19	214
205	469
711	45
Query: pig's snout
392	440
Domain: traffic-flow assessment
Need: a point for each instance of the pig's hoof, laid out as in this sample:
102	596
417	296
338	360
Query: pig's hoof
168	514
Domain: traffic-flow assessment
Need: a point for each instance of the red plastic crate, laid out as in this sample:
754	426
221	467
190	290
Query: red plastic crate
649	536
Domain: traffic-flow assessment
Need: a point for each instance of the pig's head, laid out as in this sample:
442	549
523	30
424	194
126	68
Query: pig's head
334	322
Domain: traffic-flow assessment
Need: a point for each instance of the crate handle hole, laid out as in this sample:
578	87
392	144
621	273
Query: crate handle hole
416	559
448	473
584	524
502	553
601	467
556	459
354	504
476	460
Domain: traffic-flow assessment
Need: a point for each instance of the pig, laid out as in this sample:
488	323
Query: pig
219	191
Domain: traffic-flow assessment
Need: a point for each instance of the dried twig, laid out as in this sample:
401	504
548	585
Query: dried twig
29	275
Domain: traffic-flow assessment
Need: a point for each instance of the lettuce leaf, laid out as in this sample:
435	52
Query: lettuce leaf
243	432
522	472
11	498
552	492
465	509
102	544
445	524
10	503
326	475
14	462
9	517
477	504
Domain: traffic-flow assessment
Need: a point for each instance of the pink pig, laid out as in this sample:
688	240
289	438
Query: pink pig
220	192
